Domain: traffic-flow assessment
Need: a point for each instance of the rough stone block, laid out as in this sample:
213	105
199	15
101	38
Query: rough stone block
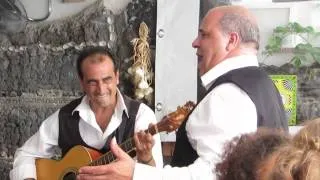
37	66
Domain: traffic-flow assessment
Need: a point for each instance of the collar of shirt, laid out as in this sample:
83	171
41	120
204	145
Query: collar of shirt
228	65
87	115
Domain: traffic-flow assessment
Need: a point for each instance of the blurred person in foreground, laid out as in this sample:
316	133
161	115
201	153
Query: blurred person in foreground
244	153
299	160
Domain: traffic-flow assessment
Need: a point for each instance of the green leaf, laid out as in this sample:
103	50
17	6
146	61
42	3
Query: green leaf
297	28
309	29
280	29
296	61
317	58
316	34
303	53
303	47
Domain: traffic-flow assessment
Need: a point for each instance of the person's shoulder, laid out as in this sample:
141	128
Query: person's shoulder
226	92
146	113
226	89
145	107
128	100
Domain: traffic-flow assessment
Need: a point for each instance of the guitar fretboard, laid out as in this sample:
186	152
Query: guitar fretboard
126	146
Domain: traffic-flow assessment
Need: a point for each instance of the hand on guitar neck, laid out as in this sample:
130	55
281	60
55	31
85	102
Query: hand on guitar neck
144	143
95	162
124	161
144	140
173	120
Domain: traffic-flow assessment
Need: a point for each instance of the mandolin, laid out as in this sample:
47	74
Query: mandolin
78	156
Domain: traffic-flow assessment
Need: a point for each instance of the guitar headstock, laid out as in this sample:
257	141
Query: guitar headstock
173	120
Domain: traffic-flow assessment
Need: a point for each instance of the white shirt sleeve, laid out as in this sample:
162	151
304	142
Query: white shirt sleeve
42	143
145	116
225	112
39	145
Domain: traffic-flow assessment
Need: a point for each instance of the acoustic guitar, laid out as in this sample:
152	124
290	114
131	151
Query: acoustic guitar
79	156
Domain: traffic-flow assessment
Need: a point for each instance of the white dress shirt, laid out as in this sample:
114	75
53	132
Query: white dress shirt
42	142
227	111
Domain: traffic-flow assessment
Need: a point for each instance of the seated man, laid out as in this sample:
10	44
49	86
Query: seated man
92	120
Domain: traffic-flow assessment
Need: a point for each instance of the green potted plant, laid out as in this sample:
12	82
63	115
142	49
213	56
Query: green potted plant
301	38
304	53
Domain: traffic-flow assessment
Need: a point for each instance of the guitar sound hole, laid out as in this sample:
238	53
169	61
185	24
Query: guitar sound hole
70	176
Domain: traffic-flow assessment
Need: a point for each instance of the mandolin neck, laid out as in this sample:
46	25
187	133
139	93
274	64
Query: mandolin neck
126	146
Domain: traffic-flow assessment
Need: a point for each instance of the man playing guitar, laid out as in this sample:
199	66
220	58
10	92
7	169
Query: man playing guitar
90	121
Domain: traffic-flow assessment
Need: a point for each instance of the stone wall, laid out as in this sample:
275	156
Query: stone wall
308	89
37	66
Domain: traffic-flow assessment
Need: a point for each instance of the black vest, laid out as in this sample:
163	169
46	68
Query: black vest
262	91
69	135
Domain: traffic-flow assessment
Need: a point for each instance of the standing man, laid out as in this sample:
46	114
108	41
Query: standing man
92	120
240	97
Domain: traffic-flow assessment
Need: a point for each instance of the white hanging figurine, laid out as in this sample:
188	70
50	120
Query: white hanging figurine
141	69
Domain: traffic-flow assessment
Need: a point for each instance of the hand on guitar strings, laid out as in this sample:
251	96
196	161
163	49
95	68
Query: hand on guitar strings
121	169
144	143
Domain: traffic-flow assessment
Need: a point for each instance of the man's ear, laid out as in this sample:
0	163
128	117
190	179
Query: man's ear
81	84
234	40
117	77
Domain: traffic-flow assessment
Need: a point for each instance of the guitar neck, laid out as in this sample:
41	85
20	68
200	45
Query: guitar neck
168	123
126	146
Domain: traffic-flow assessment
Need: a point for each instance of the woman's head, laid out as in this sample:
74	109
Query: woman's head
309	136
243	154
290	163
298	161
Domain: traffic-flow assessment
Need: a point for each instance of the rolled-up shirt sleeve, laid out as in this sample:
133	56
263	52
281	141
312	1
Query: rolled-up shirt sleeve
39	145
145	116
224	113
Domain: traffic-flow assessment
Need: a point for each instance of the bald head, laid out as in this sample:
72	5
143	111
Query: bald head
225	32
239	10
237	19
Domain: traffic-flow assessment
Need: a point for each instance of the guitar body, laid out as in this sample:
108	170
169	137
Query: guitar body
65	169
79	156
